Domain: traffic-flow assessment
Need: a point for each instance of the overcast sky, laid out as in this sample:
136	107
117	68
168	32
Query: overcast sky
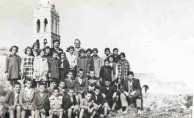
157	35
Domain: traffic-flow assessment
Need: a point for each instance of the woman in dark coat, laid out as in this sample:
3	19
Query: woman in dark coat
13	65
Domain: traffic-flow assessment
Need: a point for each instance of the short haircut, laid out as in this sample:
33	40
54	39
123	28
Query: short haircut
42	84
95	49
97	88
28	80
130	73
17	48
17	83
115	49
62	81
56	41
89	92
81	70
78	40
53	80
55	88
47	47
69	48
107	49
106	60
55	52
41	50
70	89
81	50
122	54
27	49
70	71
88	50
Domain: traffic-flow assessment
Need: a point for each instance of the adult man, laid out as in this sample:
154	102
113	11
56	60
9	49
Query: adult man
131	93
77	44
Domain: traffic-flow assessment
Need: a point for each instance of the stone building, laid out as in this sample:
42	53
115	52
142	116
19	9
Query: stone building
46	23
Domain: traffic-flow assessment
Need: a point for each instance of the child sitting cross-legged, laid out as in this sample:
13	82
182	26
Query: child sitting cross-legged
87	106
56	102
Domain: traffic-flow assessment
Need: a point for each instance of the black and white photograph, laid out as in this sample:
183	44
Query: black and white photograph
96	58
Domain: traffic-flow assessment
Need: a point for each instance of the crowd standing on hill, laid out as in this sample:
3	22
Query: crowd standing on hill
51	82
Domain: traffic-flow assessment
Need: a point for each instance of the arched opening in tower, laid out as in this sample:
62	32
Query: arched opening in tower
38	26
45	24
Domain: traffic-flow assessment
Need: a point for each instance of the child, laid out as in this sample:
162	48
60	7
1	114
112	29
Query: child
27	95
83	63
116	56
40	67
113	65
56	102
13	103
53	84
28	64
87	106
47	52
72	59
64	66
35	53
62	88
40	103
90	58
70	105
70	82
105	72
81	84
92	81
98	63
56	48
122	69
109	92
53	63
107	53
98	99
13	66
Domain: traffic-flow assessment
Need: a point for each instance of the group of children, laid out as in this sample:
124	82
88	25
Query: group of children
75	83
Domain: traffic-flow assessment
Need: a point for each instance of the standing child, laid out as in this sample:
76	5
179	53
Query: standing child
13	66
92	81
87	106
106	72
72	59
98	63
90	58
53	63
113	66
13	103
56	102
40	103
70	81
71	105
83	63
64	66
27	96
107	53
48	52
122	69
28	64
40	67
116	56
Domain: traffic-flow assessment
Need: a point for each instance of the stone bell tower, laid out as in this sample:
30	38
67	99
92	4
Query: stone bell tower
46	23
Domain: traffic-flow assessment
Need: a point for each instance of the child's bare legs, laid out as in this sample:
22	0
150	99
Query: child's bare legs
61	114
32	113
36	114
50	114
106	108
43	115
11	113
18	111
79	97
81	113
69	113
23	113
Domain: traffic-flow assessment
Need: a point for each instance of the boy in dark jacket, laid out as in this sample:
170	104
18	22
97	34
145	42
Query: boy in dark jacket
71	106
64	66
41	102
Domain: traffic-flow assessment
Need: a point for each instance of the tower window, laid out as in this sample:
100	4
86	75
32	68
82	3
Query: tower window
45	24
38	26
